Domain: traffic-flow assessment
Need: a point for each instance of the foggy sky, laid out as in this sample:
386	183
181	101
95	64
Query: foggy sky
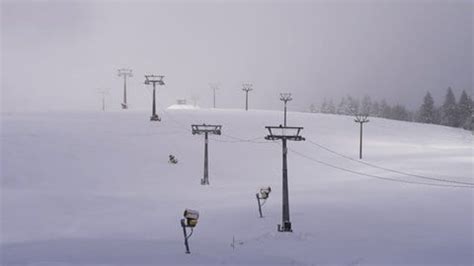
55	55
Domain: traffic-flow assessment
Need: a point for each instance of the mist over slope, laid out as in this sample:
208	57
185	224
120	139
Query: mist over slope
97	189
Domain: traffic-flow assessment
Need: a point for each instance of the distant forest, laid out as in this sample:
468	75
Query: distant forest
453	113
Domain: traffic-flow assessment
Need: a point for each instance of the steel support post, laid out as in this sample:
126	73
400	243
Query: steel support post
246	100
259	206
154	102
286	224
360	146
124	106
205	180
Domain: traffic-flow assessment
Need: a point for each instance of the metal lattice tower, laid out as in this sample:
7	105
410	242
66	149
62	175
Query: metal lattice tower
284	134
124	72
154	79
285	97
247	87
206	130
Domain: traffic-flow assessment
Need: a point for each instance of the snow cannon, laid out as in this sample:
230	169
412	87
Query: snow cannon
190	220
265	192
262	197
192	217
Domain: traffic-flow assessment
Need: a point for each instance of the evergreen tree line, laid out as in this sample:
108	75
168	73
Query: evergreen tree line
451	113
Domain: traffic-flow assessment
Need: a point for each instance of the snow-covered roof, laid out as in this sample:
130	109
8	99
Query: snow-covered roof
183	106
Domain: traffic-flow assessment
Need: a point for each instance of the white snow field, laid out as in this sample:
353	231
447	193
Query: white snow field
97	189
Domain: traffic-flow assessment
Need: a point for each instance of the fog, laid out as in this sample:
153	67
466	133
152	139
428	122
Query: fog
56	55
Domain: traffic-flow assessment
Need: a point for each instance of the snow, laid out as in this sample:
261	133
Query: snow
97	189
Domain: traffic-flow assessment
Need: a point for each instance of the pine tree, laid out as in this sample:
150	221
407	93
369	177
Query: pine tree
324	107
427	112
464	110
375	110
469	124
438	111
449	110
366	105
331	107
399	112
342	107
385	110
352	106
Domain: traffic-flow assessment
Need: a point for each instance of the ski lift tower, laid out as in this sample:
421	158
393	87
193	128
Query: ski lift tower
206	129
103	92
153	79
214	87
285	97
361	119
285	134
247	87
124	72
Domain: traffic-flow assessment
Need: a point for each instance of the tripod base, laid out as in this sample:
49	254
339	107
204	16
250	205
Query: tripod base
285	228
124	106
204	182
155	117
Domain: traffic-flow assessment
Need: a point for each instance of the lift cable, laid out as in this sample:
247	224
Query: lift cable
253	140
462	185
374	176
388	169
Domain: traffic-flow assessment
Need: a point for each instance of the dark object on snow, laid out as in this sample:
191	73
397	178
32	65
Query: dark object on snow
172	159
155	117
262	197
190	221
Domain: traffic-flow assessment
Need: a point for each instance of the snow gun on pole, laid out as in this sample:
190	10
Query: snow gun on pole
262	197
190	221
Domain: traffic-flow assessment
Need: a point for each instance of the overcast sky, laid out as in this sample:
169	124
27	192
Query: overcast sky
56	54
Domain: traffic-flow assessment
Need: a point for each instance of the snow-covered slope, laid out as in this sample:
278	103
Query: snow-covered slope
96	189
